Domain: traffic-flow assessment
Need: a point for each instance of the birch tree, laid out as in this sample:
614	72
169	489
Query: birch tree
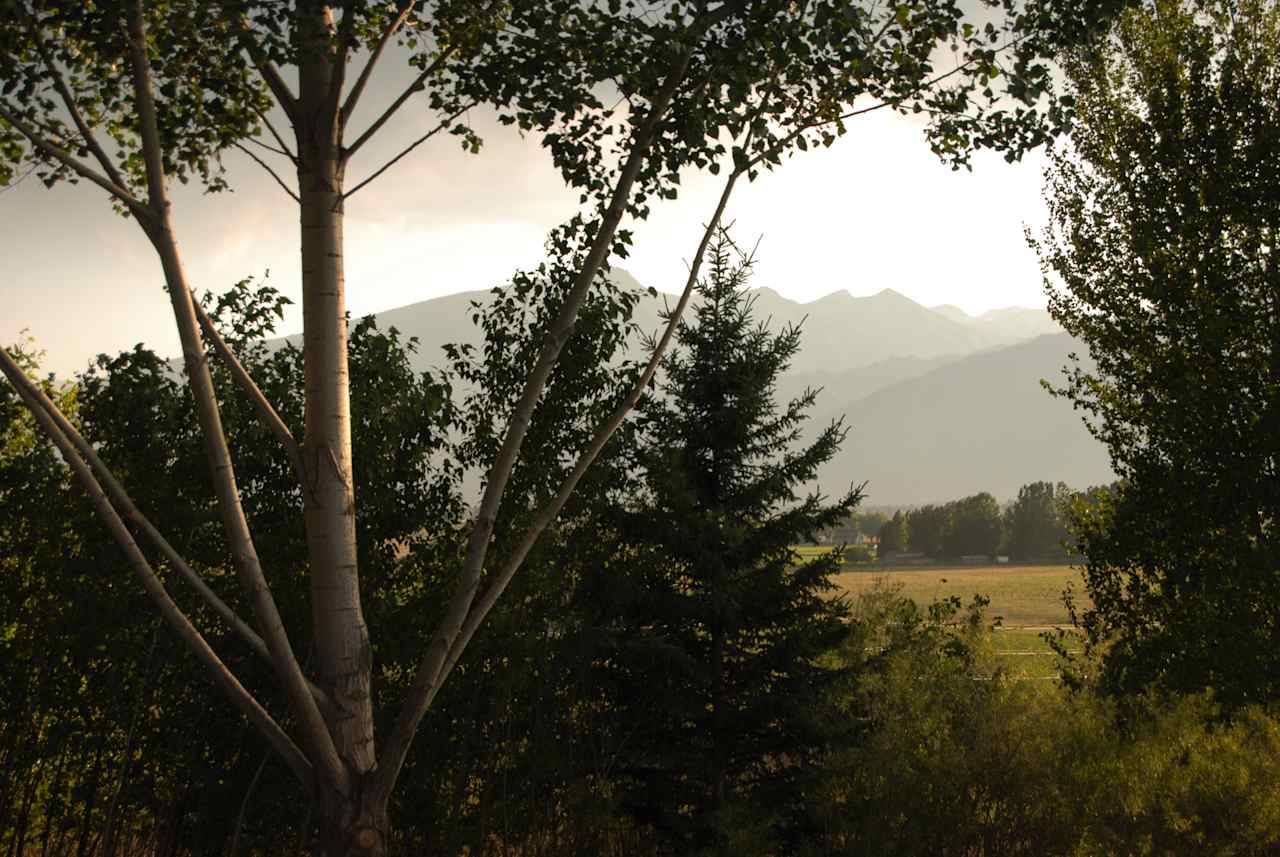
129	95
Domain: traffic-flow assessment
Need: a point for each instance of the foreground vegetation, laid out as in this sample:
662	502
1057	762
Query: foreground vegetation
959	757
667	676
945	751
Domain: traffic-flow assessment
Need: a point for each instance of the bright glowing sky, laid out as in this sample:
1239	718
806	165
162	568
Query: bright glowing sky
876	210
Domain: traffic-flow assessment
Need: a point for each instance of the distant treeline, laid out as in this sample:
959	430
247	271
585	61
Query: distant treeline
1034	527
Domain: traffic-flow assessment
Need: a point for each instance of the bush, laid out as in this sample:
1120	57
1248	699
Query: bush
956	758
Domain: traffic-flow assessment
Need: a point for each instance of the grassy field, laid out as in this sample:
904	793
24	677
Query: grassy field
1022	596
1027	598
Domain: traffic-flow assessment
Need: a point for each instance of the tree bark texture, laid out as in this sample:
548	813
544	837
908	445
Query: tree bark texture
351	824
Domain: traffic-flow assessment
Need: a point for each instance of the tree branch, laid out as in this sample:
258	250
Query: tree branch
424	684
266	68
444	123
894	102
69	101
255	141
284	147
345	37
136	208
267	167
129	510
607	429
317	737
353	97
266	413
186	631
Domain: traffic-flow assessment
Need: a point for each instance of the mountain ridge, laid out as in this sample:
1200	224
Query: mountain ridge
941	404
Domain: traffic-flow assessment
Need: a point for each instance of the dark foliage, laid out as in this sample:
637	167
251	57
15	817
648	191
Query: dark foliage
713	629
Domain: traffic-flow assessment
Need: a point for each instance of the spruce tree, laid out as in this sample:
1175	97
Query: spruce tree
716	627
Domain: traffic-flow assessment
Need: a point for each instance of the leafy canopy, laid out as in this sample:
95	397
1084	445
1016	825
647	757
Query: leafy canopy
1161	249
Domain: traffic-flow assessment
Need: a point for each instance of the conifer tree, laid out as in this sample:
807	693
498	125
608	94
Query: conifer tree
717	627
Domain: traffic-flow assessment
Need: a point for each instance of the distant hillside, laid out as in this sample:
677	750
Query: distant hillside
851	384
981	423
844	332
841	332
1005	326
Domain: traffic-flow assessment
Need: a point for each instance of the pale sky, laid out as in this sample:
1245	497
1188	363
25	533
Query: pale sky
876	210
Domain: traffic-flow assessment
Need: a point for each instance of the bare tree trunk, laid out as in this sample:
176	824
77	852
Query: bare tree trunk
350	823
24	815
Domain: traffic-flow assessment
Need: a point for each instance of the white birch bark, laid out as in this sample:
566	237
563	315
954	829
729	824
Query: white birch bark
235	525
342	653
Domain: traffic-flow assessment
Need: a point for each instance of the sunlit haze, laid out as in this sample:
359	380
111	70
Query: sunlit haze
877	210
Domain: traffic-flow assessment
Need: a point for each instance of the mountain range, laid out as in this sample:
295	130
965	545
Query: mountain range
940	404
839	331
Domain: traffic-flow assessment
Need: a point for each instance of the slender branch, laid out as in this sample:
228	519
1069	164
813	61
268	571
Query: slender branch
255	141
284	147
136	208
424	684
187	632
69	101
444	123
268	414
416	86
344	34
606	430
895	102
266	68
267	167
353	97
318	740
130	512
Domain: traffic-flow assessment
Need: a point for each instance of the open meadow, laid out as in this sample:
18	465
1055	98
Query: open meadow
1022	596
1027	599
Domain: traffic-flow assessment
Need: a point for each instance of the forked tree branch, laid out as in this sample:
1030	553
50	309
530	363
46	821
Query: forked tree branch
423	687
353	97
284	147
268	147
222	676
606	430
267	167
444	123
317	739
69	101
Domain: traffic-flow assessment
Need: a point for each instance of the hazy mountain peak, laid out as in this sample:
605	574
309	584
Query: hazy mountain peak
838	296
952	312
887	294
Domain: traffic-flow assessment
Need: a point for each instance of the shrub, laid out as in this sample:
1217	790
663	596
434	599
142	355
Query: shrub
956	758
